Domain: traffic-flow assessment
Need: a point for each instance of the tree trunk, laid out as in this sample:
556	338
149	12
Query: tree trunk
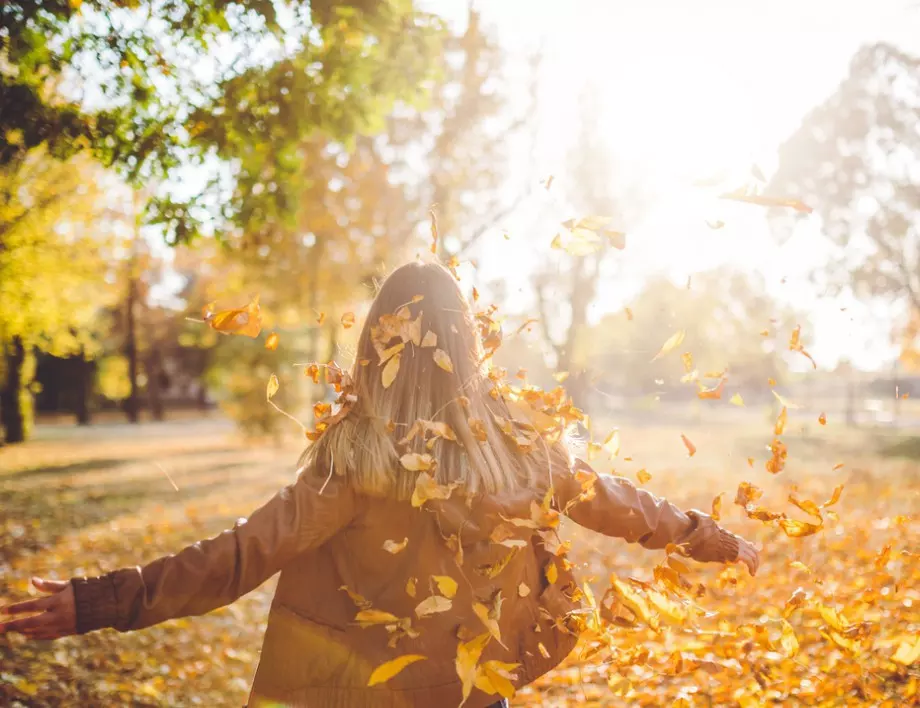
154	379
132	403
85	370
15	408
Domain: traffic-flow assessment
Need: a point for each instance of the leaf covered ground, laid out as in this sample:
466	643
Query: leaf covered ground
832	618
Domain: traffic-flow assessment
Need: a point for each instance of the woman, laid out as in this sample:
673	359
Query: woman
422	522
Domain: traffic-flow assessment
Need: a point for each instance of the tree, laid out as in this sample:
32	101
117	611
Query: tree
135	96
52	251
854	160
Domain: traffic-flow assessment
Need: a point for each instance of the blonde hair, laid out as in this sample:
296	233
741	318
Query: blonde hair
365	446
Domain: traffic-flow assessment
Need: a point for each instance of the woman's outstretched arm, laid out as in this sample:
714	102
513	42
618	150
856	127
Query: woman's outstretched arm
614	506
202	577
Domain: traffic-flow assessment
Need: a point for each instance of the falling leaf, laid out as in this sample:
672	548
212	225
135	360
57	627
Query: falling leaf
837	466
673	341
432	605
835	496
765	201
394	547
712	393
433	221
561	376
747	493
489	616
443	360
496	677
523	590
415	462
321	318
369	618
388	375
629	314
430	339
687	359
750	461
348	320
643	476
797	529
784	402
410	587
908	651
491	570
552	573
312	371
271	342
822	419
447	586
468	654
806	505
788	640
780	423
717	507
612	443
388	670
427	488
246	321
691	448
272	387
359	600
736	400
548	182
796	346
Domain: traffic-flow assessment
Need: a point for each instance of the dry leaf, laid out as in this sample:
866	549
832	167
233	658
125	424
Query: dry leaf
561	376
468	654
673	341
736	400
551	572
388	376
430	339
797	529
780	423
272	387
394	547
443	360
433	605
271	341
348	320
643	476
523	590
447	586
415	462
612	443
717	507
245	321
788	640
822	419
765	201
691	448
369	618
410	587
388	670
427	488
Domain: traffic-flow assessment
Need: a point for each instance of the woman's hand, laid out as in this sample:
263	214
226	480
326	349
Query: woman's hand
748	555
57	612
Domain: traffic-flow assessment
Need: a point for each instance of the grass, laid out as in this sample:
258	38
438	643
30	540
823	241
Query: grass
84	501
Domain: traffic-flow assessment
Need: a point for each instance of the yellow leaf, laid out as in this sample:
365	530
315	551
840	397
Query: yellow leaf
321	318
822	419
368	618
736	400
780	423
496	677
430	339
491	570
643	476
687	359
433	605
908	651
489	616
427	488
359	600
245	321
552	573
271	342
272	387
410	587
561	376
629	314
797	529
415	462
447	586
392	351
612	443
348	320
394	547
385	672
691	448
468	654
717	507
788	640
523	590
673	341
766	201
390	371
443	360
835	496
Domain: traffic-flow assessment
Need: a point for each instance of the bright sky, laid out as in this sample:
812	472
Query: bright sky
691	89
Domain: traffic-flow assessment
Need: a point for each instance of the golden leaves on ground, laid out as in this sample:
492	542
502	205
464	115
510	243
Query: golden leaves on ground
245	321
385	672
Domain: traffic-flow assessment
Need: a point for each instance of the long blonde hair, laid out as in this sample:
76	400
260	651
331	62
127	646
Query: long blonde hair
366	445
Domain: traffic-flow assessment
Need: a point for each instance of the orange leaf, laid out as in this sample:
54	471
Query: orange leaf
717	507
822	419
643	476
673	341
245	321
691	448
348	320
780	423
797	529
271	342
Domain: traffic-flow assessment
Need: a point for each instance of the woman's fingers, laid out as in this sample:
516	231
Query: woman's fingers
46	585
36	605
27	624
748	555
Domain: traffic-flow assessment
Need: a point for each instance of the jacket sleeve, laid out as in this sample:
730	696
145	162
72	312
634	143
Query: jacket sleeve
215	572
615	507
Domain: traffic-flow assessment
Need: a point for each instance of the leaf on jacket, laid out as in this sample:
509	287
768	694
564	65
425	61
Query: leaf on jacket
551	572
395	547
673	341
433	605
491	570
490	614
447	586
442	359
523	590
245	321
359	600
388	670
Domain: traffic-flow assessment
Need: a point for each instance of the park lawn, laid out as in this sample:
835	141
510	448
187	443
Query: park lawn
83	501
